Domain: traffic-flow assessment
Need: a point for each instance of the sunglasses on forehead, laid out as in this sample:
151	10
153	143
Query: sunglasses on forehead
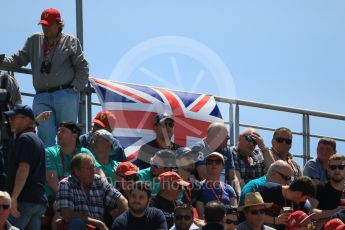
250	139
281	140
333	167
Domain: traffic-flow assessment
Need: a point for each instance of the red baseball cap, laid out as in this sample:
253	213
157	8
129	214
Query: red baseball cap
170	177
333	224
126	168
105	119
297	218
50	16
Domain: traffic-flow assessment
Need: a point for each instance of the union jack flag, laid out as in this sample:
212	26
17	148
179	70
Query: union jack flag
135	108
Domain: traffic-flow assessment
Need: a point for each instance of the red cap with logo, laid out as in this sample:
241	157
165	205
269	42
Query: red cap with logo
49	17
333	224
126	168
297	218
105	119
170	177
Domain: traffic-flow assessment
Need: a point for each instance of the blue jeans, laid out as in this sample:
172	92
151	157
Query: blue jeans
30	216
64	105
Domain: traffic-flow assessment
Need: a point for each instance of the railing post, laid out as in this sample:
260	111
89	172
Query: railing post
231	124
306	138
237	122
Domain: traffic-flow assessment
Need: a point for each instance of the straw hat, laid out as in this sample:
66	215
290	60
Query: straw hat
254	199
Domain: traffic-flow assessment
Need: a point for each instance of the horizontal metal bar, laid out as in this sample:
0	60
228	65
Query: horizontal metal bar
16	69
334	138
280	108
264	128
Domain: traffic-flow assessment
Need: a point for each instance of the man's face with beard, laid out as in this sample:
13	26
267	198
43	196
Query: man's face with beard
335	173
138	201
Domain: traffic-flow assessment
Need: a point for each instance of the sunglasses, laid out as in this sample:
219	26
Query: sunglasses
4	206
250	139
285	177
333	167
257	211
170	125
131	177
217	162
281	140
186	217
234	222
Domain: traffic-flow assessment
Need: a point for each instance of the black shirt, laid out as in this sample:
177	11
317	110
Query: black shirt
28	148
152	220
167	207
328	197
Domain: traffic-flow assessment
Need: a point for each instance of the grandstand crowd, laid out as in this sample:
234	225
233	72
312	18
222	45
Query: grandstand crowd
61	178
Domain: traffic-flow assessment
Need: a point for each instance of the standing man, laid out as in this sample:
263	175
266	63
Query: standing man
163	126
59	72
316	168
26	171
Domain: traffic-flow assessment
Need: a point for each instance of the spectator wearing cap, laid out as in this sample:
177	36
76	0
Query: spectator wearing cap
212	187
299	220
84	197
126	174
106	146
254	209
59	72
26	170
183	218
5	210
140	215
316	168
163	161
104	120
215	141
185	162
231	218
248	160
170	186
281	145
163	126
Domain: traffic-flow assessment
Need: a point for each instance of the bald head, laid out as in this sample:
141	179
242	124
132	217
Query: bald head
278	172
217	134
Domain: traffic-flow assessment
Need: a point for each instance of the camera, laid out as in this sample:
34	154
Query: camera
46	67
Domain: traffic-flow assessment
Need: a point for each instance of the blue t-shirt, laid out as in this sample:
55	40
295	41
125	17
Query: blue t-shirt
223	193
313	169
153	219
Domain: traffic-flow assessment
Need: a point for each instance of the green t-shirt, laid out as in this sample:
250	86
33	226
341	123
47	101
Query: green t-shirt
145	175
109	171
62	166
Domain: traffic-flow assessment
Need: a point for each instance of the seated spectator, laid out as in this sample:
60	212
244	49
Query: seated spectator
126	174
5	210
183	218
163	126
328	195
295	195
170	186
316	168
185	162
334	224
254	209
103	120
231	218
212	188
140	215
248	161
163	161
215	141
281	145
279	172
83	196
299	220
214	216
